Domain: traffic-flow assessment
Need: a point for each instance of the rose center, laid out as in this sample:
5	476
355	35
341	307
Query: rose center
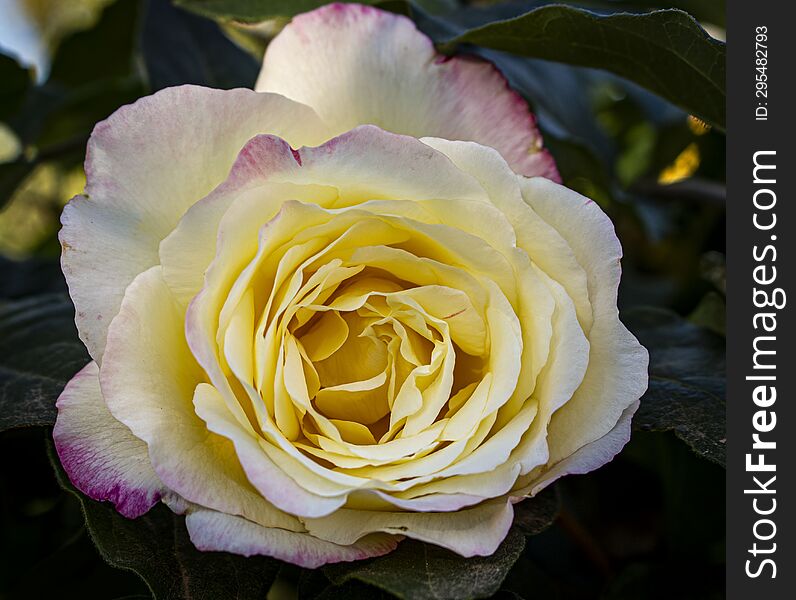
377	359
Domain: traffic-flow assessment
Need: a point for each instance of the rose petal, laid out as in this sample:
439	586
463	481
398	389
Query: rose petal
270	480
346	170
542	242
219	532
148	380
617	373
473	532
358	65
145	165
589	457
102	457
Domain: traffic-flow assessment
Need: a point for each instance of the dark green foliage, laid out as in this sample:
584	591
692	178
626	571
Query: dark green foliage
11	175
425	572
253	10
665	51
39	353
46	551
534	515
687	380
16	81
156	547
179	47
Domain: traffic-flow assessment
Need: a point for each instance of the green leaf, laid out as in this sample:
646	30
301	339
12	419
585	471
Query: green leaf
179	47
39	353
314	585
156	546
105	51
665	51
710	11
93	74
420	571
581	170
687	380
31	277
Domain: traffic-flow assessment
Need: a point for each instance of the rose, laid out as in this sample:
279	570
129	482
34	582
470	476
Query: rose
313	353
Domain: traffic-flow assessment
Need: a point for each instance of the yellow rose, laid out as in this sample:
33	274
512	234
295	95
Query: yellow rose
315	352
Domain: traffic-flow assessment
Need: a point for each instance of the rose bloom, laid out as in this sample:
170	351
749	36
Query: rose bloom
400	328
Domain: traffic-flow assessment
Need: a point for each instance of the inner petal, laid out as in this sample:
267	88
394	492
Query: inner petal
359	358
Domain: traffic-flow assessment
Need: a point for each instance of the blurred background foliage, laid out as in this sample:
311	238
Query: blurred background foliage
648	525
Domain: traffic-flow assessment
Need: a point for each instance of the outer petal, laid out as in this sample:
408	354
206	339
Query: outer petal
475	531
145	165
101	456
148	381
617	373
215	531
358	65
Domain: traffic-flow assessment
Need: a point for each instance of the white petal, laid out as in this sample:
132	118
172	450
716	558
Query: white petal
588	458
476	531
617	372
358	65
269	479
145	165
215	531
360	165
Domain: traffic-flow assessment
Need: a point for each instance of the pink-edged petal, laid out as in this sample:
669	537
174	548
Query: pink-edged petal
215	531
102	458
145	166
359	65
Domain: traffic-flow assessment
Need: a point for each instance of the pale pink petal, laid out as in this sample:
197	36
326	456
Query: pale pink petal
359	165
145	165
359	65
102	457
